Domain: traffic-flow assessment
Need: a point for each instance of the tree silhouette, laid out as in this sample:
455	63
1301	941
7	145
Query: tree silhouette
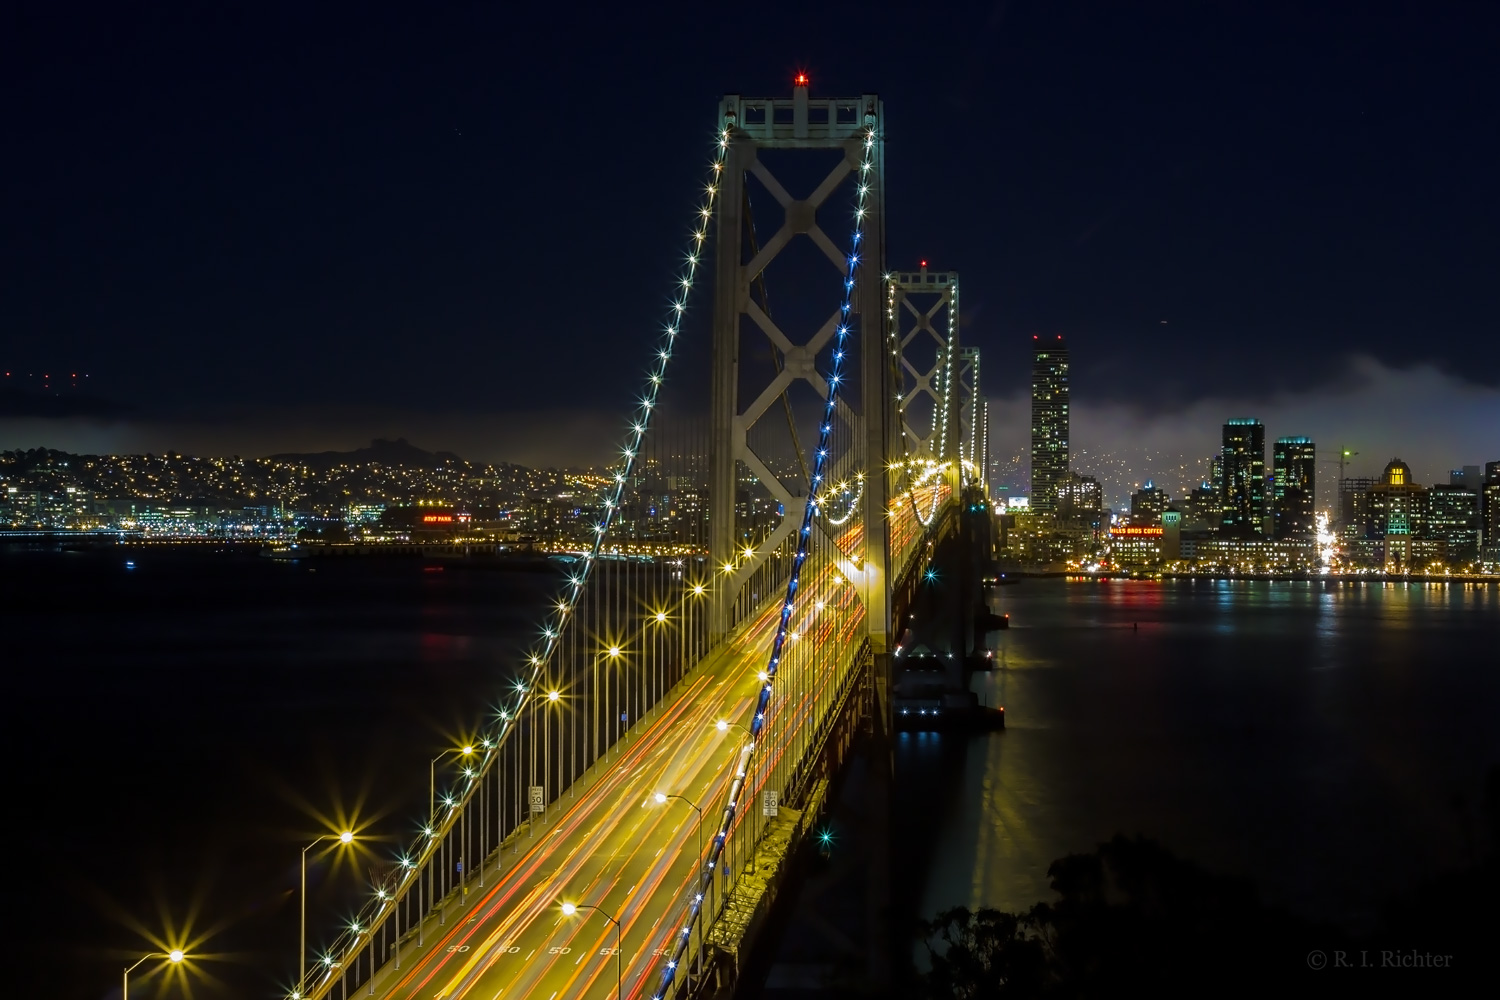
1130	916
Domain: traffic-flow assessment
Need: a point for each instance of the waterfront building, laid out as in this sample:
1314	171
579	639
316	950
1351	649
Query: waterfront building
1049	423
1135	546
1242	497
1294	466
1171	535
1226	553
1397	550
1396	499
1453	517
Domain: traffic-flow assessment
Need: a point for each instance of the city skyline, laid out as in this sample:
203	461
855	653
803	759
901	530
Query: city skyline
371	244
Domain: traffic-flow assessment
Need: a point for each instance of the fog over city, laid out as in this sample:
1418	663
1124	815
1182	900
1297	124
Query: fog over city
1433	420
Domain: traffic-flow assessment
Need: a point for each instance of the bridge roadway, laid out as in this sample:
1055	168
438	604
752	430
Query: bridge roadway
611	845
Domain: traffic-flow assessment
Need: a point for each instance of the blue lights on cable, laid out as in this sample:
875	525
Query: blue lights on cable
825	431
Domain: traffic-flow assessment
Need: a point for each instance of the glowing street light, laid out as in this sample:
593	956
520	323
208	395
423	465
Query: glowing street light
569	909
465	750
661	799
174	956
346	837
723	726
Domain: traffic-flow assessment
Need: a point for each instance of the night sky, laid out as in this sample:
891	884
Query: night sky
262	227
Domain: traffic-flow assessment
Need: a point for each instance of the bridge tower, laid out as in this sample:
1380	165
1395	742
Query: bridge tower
743	399
922	316
971	409
922	309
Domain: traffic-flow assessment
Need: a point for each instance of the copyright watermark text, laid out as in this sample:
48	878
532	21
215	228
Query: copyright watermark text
1382	959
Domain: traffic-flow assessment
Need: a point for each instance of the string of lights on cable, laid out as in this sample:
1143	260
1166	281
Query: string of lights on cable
525	691
821	462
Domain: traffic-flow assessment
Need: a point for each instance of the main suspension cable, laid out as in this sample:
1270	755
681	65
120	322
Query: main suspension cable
394	886
820	463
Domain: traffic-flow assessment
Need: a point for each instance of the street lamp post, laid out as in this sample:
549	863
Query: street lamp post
658	654
174	956
463	846
723	726
661	798
571	908
343	838
484	817
501	806
466	750
553	697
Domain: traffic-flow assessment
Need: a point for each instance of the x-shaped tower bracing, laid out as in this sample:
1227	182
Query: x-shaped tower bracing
922	313
743	326
974	440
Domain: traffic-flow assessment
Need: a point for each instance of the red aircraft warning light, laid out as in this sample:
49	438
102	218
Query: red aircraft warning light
924	263
801	80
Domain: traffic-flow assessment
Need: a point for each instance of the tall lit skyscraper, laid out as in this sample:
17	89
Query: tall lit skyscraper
1294	464
1243	495
1049	422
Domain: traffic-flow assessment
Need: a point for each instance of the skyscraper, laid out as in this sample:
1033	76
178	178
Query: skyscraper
1243	496
1049	422
1294	464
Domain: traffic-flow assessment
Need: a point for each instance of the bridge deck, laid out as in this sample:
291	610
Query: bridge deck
606	844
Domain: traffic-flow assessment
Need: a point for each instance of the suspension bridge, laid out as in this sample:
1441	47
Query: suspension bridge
625	821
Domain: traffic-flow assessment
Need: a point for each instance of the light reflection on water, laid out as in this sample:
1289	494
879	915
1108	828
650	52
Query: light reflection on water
1313	735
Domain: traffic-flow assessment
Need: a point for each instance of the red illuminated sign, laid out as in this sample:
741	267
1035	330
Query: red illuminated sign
437	518
1135	531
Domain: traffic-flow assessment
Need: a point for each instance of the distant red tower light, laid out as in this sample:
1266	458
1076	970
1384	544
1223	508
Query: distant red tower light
924	263
801	80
